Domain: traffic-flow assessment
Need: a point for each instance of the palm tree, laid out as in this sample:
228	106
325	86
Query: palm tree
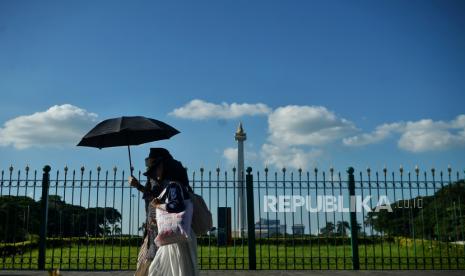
328	229
116	229
342	227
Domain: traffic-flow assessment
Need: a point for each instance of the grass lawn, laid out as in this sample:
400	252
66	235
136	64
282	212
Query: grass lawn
397	255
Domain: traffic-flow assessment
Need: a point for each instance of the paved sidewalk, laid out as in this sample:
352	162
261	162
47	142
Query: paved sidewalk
259	272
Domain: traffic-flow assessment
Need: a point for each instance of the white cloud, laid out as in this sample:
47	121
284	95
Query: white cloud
459	122
230	154
297	133
418	136
289	157
202	110
60	125
428	135
306	125
380	133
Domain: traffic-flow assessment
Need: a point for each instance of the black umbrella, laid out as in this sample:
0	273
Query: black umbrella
127	131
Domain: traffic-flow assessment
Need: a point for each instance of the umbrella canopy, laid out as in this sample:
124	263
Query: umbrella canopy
127	131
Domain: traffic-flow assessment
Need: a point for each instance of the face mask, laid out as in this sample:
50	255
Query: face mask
153	182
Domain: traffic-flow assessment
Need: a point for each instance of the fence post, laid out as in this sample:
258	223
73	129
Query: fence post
250	220
353	221
44	216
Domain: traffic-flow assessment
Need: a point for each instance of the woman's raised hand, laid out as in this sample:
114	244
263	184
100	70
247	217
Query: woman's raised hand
133	182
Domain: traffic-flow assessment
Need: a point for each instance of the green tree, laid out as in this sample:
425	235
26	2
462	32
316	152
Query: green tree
342	227
440	216
20	216
328	229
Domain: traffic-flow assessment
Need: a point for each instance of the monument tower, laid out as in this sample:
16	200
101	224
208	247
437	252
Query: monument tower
241	199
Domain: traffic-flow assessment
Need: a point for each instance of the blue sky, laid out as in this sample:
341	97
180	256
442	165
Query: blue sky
316	83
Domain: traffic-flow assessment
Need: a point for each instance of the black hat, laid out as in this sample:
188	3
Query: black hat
157	155
159	152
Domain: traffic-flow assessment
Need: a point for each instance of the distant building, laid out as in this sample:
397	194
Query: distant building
298	229
269	227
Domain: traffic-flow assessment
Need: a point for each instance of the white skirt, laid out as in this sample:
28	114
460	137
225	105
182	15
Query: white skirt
177	259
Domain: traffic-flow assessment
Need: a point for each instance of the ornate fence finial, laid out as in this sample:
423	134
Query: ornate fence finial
47	169
350	170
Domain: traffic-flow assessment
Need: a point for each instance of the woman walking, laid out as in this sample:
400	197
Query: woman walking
151	190
179	258
168	178
175	259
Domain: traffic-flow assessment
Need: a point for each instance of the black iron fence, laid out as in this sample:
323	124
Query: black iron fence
84	220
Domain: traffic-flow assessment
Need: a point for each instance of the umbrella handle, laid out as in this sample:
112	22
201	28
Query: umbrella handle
130	162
